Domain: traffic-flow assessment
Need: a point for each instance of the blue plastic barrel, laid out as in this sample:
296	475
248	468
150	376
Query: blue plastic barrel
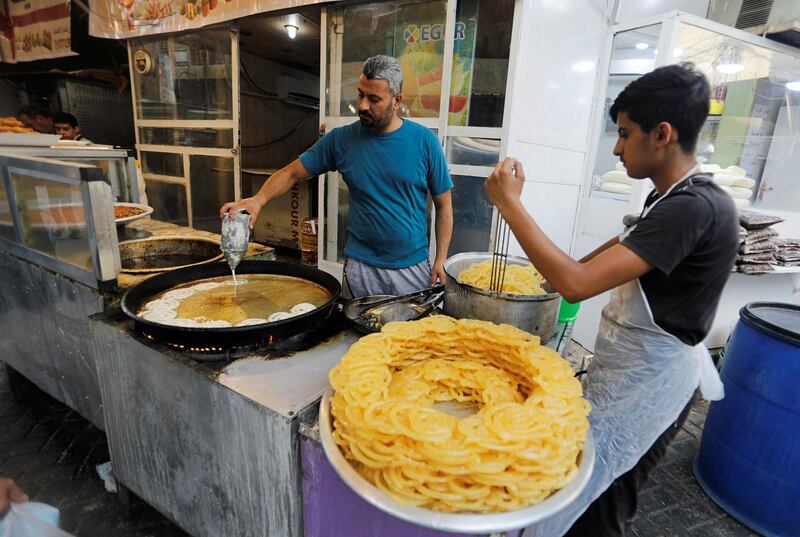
749	460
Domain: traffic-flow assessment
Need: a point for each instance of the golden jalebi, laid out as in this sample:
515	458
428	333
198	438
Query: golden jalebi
518	279
520	446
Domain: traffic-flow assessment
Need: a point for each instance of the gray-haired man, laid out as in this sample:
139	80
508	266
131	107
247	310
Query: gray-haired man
390	165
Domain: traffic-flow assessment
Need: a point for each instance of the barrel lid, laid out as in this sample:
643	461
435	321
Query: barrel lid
781	320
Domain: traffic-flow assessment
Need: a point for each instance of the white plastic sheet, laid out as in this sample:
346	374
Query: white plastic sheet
31	519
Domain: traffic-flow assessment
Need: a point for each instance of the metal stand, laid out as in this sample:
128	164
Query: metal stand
124	496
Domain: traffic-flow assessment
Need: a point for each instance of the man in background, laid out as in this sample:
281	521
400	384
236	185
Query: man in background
67	126
36	118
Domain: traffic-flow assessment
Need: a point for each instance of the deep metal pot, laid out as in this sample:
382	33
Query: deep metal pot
537	314
158	254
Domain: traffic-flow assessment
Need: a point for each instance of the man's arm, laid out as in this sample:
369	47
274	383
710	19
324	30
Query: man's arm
9	492
444	231
575	281
278	184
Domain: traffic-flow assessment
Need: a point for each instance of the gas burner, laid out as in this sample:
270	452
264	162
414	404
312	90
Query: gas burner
273	349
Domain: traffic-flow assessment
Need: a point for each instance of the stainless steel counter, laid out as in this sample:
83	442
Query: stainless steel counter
216	449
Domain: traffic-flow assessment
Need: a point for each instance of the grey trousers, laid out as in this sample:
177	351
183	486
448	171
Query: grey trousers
361	279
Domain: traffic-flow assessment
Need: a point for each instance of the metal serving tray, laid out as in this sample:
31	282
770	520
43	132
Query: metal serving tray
453	522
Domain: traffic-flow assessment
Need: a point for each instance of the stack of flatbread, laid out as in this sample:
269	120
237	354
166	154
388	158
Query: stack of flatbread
788	254
758	247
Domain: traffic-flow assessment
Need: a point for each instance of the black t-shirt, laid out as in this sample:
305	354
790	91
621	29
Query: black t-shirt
691	239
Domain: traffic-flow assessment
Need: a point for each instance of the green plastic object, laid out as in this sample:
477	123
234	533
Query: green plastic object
567	313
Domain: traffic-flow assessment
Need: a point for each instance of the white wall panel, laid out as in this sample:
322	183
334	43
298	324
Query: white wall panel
554	208
585	329
561	44
549	164
602	217
588	322
551	109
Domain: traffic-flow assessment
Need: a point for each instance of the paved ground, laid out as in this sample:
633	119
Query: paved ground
672	503
52	452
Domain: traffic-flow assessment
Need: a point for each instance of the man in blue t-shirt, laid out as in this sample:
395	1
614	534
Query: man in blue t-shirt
389	165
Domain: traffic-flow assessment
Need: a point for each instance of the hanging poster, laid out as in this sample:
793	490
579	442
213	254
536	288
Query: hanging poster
463	62
119	19
419	46
41	29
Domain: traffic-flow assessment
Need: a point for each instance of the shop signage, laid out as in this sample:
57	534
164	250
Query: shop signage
34	30
131	18
430	32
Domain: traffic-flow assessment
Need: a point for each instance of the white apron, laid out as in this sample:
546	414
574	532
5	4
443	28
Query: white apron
639	380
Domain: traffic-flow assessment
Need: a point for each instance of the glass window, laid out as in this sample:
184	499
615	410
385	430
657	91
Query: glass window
749	139
212	185
6	220
633	54
189	75
170	164
168	201
473	151
53	218
472	215
412	31
187	137
480	62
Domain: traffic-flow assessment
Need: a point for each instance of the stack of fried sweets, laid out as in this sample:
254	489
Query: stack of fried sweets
12	124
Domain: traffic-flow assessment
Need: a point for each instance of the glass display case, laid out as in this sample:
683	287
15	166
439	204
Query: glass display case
463	45
118	166
749	139
59	215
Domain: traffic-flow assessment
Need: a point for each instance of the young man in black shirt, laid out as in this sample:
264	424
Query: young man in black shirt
667	272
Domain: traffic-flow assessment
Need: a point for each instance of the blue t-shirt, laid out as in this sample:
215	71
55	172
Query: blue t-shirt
389	176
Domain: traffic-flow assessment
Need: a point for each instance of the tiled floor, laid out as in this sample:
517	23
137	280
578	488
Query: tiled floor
52	452
672	502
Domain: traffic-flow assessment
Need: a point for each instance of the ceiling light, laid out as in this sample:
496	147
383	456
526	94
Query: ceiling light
730	68
794	86
291	29
677	53
642	46
730	61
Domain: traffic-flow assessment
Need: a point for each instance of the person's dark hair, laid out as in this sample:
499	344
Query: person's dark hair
31	110
677	94
63	117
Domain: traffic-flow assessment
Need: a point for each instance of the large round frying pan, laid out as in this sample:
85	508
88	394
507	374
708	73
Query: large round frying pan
225	339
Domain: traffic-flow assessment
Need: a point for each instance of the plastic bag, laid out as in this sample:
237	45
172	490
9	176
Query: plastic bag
31	519
751	220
